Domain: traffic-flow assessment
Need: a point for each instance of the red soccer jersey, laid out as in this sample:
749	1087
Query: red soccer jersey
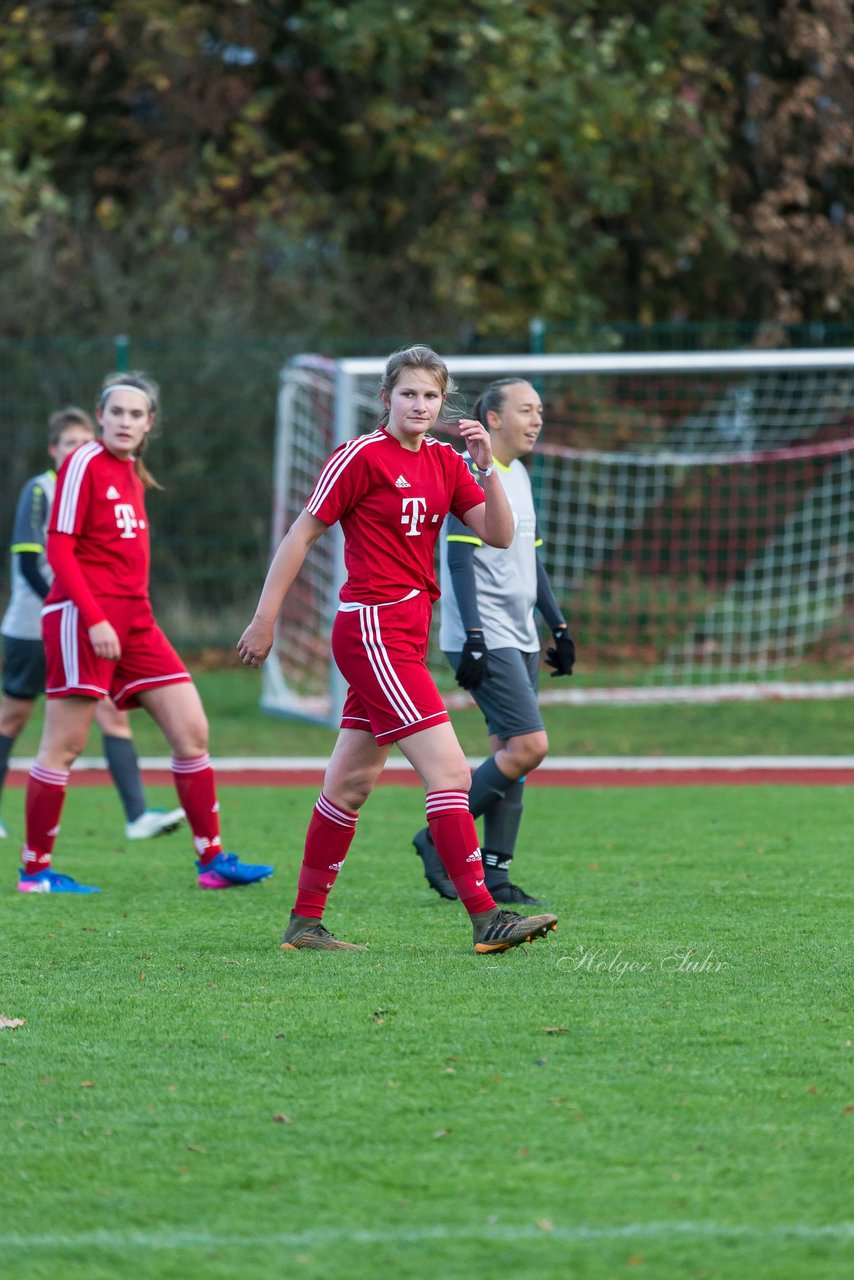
100	502
391	503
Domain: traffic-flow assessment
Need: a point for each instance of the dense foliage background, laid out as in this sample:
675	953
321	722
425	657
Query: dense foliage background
231	182
334	168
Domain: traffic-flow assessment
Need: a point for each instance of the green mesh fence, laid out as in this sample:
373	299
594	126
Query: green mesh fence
213	451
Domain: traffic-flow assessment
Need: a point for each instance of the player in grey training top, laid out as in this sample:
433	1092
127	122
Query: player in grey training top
23	649
490	637
29	568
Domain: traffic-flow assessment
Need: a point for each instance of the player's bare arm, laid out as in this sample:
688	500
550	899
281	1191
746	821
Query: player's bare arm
493	520
257	640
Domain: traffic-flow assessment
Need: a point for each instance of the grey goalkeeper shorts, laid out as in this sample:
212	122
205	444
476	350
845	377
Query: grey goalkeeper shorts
23	668
508	695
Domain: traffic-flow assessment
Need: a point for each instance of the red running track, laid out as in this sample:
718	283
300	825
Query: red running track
634	772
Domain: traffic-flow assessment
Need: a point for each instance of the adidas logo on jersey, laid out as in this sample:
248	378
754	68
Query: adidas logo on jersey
402	483
113	493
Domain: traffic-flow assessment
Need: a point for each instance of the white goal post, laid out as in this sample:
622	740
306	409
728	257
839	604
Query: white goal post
696	514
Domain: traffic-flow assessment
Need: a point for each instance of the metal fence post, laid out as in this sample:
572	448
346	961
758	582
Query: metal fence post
122	347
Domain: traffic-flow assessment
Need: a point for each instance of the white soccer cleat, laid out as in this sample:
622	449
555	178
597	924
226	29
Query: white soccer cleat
154	822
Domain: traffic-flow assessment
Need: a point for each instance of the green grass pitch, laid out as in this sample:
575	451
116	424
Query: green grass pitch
662	1088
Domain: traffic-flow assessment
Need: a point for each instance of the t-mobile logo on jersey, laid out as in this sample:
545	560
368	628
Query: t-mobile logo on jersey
126	519
414	510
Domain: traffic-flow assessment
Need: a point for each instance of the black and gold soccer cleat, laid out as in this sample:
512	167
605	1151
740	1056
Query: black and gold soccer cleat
305	933
498	930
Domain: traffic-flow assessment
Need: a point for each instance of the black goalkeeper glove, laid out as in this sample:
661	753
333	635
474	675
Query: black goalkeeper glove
474	661
562	656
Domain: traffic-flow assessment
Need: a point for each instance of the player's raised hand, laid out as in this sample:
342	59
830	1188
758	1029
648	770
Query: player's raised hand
477	441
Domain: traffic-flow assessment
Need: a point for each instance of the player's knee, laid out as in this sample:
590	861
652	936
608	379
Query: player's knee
13	717
192	737
60	753
349	793
528	751
459	781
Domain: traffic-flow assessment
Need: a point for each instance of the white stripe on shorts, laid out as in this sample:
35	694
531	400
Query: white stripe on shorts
387	677
69	644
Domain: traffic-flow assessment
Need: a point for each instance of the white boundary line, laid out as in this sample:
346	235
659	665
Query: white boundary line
556	764
842	1231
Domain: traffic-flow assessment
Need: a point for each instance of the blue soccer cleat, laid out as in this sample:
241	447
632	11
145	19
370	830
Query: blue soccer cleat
52	882
226	871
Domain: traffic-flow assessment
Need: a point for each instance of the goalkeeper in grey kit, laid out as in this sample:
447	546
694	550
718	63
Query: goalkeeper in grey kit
489	635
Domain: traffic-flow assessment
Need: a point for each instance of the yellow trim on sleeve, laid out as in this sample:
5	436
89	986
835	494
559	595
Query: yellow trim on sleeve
26	546
461	537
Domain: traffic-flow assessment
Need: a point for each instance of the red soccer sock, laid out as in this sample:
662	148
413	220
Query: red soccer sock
329	836
455	837
196	787
45	798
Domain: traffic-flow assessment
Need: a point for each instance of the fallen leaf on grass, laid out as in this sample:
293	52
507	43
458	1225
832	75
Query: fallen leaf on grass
442	1133
87	1084
9	1024
281	1119
192	1146
379	1019
555	1031
545	1224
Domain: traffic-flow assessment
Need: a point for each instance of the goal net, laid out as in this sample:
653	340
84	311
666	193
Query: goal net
696	515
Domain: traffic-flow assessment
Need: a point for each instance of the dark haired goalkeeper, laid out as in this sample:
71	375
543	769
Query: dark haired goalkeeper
489	635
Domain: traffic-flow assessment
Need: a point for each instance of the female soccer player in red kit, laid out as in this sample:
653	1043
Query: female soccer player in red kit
391	490
101	639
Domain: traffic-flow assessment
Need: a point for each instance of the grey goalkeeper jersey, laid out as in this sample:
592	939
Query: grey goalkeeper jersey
22	619
506	578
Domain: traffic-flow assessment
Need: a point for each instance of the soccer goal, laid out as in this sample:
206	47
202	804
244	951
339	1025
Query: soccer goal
696	514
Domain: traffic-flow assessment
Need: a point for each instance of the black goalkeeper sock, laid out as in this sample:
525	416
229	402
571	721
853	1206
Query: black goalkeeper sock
496	868
123	764
488	784
6	745
501	820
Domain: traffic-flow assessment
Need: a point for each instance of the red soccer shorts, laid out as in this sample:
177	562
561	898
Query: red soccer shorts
381	651
148	660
